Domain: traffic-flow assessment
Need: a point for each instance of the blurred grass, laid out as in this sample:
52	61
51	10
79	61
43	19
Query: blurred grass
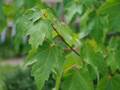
5	69
15	78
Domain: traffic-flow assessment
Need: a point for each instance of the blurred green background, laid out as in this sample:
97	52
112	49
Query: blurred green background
14	47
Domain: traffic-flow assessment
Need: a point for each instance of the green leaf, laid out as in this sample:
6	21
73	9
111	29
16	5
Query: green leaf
47	58
88	3
114	54
77	80
109	83
111	9
36	24
72	60
21	24
38	32
72	11
98	30
91	53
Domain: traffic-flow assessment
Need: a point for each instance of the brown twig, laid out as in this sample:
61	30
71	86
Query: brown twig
65	41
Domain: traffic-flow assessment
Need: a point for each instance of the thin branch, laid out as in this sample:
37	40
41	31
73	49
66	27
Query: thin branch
65	41
112	34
